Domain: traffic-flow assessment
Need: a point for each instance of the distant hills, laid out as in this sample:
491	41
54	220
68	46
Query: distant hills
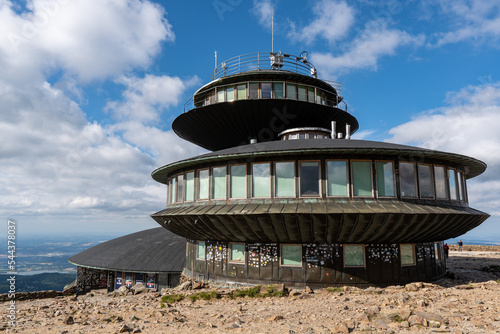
39	282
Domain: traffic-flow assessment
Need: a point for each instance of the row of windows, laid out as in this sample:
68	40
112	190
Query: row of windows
291	255
342	178
266	90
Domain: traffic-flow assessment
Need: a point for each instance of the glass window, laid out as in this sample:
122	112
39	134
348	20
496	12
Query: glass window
436	251
440	182
460	187
385	178
238	181
302	93
318	96
362	178
407	179
180	185
237	252
189	196
285	179
266	90
453	185
261	179
310	94
425	181
203	184
291	255
173	191
309	178
278	90
219	182
302	136
201	250
230	93
220	95
290	91
311	136
242	91
336	178
294	136
253	90
354	255
169	189
407	254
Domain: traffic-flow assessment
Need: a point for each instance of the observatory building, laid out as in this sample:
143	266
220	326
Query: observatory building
286	196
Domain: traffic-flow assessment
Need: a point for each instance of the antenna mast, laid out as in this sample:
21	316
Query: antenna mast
215	58
272	29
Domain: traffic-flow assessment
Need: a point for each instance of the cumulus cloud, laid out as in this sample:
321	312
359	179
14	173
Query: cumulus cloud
263	9
376	41
331	21
467	125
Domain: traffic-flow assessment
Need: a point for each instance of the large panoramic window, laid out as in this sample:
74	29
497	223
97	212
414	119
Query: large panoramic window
407	254
407	179
180	185
291	255
453	184
278	90
310	94
361	178
242	91
440	182
253	90
230	93
285	179
238	181
219	183
203	184
201	250
261	179
425	181
385	178
265	90
220	94
354	255
189	192
173	190
460	186
302	93
336	178
237	252
309	178
291	92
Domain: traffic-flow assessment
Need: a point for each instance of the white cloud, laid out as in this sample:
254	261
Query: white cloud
476	20
375	42
468	126
263	9
331	21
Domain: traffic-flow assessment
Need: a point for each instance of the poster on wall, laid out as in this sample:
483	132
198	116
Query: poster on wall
128	279
150	281
139	278
119	280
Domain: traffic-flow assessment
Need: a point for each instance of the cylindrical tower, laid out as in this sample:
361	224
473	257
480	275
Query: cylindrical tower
288	197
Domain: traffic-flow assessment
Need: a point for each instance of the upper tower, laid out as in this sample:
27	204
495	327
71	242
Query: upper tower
256	96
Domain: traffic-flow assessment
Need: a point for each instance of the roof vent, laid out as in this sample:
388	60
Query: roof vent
253	141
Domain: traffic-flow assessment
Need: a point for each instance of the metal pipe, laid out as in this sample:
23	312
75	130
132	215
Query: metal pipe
347	131
334	130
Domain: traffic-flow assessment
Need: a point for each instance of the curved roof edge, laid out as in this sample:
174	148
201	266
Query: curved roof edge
473	167
155	250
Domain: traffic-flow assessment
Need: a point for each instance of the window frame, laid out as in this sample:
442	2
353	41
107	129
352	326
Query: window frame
274	83
394	181
204	258
230	254
230	195
415	181
295	89
294	179
185	186
456	183
320	189
446	188
431	182
197	186
270	91
348	181
414	263
344	254
352	177
212	185
290	265
238	85
270	179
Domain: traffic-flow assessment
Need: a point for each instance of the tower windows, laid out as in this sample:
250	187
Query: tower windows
407	179
309	178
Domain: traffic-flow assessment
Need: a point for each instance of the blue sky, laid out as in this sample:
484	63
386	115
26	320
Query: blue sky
89	89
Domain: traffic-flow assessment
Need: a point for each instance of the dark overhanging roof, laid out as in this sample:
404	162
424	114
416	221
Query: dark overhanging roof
339	147
155	250
228	124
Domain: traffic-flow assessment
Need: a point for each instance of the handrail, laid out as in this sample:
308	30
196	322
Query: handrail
264	61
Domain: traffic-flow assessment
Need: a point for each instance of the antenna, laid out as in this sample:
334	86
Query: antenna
215	58
272	29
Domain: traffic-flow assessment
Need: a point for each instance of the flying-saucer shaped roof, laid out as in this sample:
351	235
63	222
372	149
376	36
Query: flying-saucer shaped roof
150	251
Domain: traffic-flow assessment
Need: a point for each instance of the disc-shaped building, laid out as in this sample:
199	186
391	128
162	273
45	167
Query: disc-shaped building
287	197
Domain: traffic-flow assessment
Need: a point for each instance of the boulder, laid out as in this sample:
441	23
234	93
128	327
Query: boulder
139	288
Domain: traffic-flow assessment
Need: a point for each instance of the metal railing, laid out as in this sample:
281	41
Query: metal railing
265	61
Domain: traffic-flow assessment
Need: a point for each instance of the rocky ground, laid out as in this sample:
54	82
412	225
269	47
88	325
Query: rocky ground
468	304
